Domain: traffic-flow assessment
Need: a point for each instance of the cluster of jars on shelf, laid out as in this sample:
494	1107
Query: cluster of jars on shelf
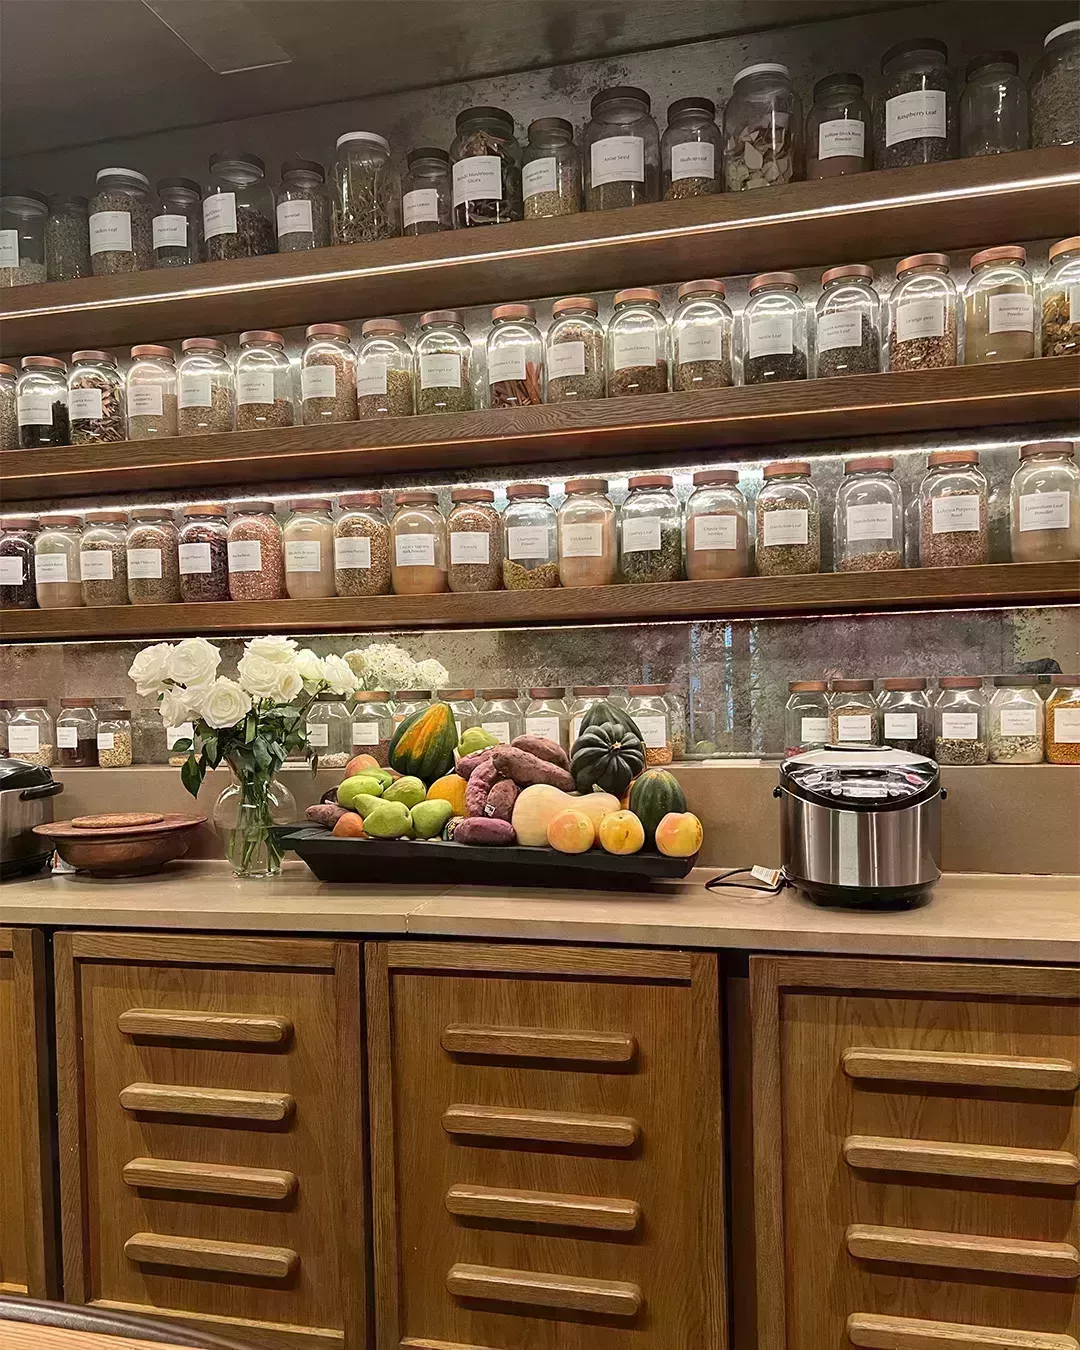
1018	719
85	734
489	178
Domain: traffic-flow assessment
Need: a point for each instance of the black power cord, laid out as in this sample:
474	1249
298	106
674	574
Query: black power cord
771	880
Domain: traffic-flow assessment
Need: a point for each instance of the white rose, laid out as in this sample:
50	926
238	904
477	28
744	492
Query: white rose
194	661
309	667
433	674
338	675
289	684
150	669
224	703
177	705
258	676
279	651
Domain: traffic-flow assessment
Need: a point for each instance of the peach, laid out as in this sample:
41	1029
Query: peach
679	834
571	832
622	832
359	763
350	826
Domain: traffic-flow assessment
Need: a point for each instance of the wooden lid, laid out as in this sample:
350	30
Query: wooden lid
586	485
807	687
787	468
907	683
871	464
1000	253
712	477
334	330
952	457
476	494
651	480
961	682
546	693
527	490
852	686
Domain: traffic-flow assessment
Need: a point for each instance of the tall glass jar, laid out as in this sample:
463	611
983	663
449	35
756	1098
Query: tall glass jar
775	343
999	307
838	129
1016	716
203	552
788	521
848	315
384	371
256	557
67	238
763	123
868	527
9	408
475	541
1044	504
302	207
915	112
372	724
515	358
486	161
114	738
650	530
96	404
702	336
57	577
500	715
121	223
205	393
153	560
367	192
17	589
691	151
960	730
103	559
993	106
621	150
418	545
264	382
583	697
907	717
637	344
443	363
361	546
22	238
177	223
30	731
547	716
328	375
151	393
461	704
1063	720
308	537
551	170
676	708
409	701
76	734
329	730
588	554
530	539
853	713
238	208
1055	110
953	517
716	534
922	314
427	193
42	403
1059	296
806	716
649	710
574	351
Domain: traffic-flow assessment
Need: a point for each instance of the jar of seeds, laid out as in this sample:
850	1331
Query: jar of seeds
960	730
650	530
31	736
238	208
443	363
1044	504
1016	718
9	408
205	399
76	734
203	553
427	193
372	724
530	539
1055	112
486	162
114	738
22	238
853	713
915	112
1060	299
546	716
621	149
103	559
774	333
515	358
763	122
328	375
367	193
838	129
56	562
256	558
574	351
475	531
67	238
588	551
361	546
716	534
264	382
418	545
999	307
1063	720
993	106
788	521
384	371
869	522
650	711
500	715
806	717
922	314
17	562
953	520
462	705
96	403
329	730
153	562
583	697
121	223
41	402
308	537
848	315
151	393
177	223
702	332
690	150
637	344
551	171
907	718
303	207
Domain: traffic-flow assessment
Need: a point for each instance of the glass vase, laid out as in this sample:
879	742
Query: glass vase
246	816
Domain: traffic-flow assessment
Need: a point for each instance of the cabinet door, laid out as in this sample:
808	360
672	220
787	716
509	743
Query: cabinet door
546	1148
211	1133
916	1154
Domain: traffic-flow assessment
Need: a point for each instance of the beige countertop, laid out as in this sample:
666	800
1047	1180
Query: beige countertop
972	916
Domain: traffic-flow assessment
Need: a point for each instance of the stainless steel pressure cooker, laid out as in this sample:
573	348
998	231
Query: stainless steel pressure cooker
26	793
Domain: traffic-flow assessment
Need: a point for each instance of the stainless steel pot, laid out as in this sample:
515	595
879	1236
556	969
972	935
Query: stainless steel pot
26	793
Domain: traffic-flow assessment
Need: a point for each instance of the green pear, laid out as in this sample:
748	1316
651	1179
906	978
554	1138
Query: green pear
410	791
387	820
358	783
428	818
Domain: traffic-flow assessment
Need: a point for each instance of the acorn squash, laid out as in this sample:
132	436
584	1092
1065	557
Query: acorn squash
423	745
603	712
607	758
653	796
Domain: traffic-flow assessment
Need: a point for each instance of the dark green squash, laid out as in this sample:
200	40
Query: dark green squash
602	712
607	758
652	796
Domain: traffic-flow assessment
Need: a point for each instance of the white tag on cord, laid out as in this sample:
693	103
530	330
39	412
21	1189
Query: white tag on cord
770	876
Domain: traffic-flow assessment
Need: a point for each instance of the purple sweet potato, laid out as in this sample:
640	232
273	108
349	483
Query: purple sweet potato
501	799
526	769
482	779
542	748
467	763
327	814
484	830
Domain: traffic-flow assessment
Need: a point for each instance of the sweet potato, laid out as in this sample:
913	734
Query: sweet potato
327	814
526	769
501	799
467	763
483	830
542	748
482	779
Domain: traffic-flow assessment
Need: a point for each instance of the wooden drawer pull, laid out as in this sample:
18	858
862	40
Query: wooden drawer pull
554	1127
571	1211
537	1289
253	1183
201	1101
180	1024
234	1258
1046	1167
874	1332
964	1251
959	1070
601	1047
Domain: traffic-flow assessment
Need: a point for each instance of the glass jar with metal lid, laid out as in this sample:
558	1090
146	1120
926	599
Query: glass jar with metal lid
329	730
328	375
114	738
853	713
409	701
42	403
788	521
238	208
806	716
372	724
588	553
96	404
427	193
702	337
993	106
103	559
76	734
1059	296
9	408
361	546
530	539
177	223
547	716
716	533
648	708
205	395
551	170
67	238
1016	716
151	393
999	307
775	341
574	351
203	551
1044	504
1055	110
256	557
30	732
443	363
915	112
1063	720
308	537
960	731
691	150
418	545
264	382
650	530
515	358
621	150
56	562
907	716
637	344
500	716
848	315
23	218
763	125
153	563
838	129
583	697
953	517
17	562
486	161
121	223
922	314
302	207
384	371
366	190
475	541
462	705
868	525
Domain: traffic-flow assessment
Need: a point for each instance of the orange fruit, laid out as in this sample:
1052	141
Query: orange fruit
622	832
571	832
679	834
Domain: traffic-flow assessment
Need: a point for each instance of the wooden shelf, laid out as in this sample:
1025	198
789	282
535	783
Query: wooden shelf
965	203
915	588
1017	391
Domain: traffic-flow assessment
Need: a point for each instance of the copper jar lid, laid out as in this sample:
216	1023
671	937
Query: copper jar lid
416	497
588	690
76	703
202	345
1047	448
514	312
204	509
707	287
807	687
1000	253
773	279
646	688
961	682
651	480
787	468
62	519
847	272
412	693
90	356
334	330
1060	681
261	335
456	694
253	507
18	523
1069	245
547	693
852	686
42	363
527	490
904	683
491	694
870	464
644	293
952	457
151	349
392	326
1016	681
569	302
151	513
441	316
574	485
922	260
352	499
473	494
371	696
311	504
7	370
711	477
106	518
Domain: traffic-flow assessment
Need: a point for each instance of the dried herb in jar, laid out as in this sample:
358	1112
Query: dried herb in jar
639	380
518	393
1060	330
111	425
924	353
954	548
475	540
657	564
486	133
518	578
254	236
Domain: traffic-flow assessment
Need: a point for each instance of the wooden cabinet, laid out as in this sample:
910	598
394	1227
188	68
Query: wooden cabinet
546	1148
917	1136
212	1161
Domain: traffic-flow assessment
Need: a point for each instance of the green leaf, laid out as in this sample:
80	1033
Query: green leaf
262	754
184	744
251	726
191	775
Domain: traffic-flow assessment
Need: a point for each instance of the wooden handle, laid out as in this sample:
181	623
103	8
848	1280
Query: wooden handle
180	1024
539	1290
570	1211
555	1127
964	1251
960	1070
936	1158
875	1332
602	1047
234	1258
200	1101
253	1183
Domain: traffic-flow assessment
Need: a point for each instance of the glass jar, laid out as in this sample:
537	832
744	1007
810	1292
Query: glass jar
583	698
649	710
515	358
384	371
999	307
1059	296
763	123
716	534
500	715
121	223
960	732
551	170
238	208
427	194
702	336
5	714
915	112
637	344
329	730
103	559
588	555
153	561
838	129
203	551
1055	111
530	539
205	399
1016	717
9	408
486	161
993	106
177	223
264	382
67	238
443	363
372	724
1044	504
22	238
466	714
418	545
361	546
922	314
953	519
806	716
303	207
76	734
30	733
96	405
367	193
476	556
56	562
151	393
409	701
868	527
676	706
256	557
114	738
907	718
308	537
42	403
774	333
650	531
547	716
853	713
788	521
621	150
17	562
574	349
1063	720
328	375
691	150
848	323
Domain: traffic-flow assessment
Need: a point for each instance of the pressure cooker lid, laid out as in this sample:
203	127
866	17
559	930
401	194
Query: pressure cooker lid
857	777
17	774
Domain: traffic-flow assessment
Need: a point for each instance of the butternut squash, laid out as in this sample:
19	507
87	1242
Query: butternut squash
538	804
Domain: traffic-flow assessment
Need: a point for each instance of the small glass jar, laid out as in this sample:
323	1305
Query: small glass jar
418	545
676	707
121	223
1016	716
1059	297
203	551
1055	110
853	713
649	710
716	533
205	394
486	161
515	358
915	112
547	716
763	124
328	375
788	521
177	223
103	559
848	323
475	541
702	338
574	351
151	393
97	409
583	696
42	405
691	150
960	730
838	129
993	106
907	717
67	238
238	208
76	734
868	527
922	314
1063	720
500	715
621	150
588	553
256	557
30	733
775	342
551	170
308	537
443	363
384	371
461	704
17	589
366	190
329	730
56	562
1044	504
650	531
153	561
999	307
953	517
372	724
302	207
9	408
530	539
23	218
361	546
806	716
427	193
114	739
409	701
264	382
637	344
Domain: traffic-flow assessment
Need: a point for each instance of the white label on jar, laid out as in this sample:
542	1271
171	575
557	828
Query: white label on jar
245	555
184	732
814	730
36	408
617	159
23	740
527	541
908	117
566	358
575	728
85	404
693	159
420	204
922	316
440	370
318	734
1044	511
11	571
858	727
1018	722
303	555
371	376
870	522
539	176
545	727
960	726
506	363
318	382
110	231
144	564
194	391
715	532
219	214
500	730
353	553
582	541
952	515
144	400
634	349
470	546
653	728
365	733
1012	314
9	248
294	218
415	550
254	386
1066	726
478	179
772	334
1074	303
194	559
51	567
67	738
901	726
839	330
700	342
106	740
841	137
641	536
170	231
96	564
791	526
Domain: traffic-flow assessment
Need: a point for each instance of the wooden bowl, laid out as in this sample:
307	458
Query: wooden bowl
122	851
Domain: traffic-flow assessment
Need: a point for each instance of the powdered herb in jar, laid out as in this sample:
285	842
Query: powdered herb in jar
475	534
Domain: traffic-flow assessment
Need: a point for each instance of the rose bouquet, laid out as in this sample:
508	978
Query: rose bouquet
384	666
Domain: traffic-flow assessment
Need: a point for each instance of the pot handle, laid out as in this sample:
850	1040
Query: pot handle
31	794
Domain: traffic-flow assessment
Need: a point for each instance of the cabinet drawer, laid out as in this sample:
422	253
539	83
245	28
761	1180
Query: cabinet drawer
211	1133
546	1148
917	1154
